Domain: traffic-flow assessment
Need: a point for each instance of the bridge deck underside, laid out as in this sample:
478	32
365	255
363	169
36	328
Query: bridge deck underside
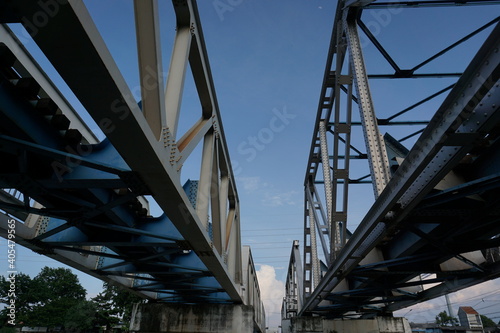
90	200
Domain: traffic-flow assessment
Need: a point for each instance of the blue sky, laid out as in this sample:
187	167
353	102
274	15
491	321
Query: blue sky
267	60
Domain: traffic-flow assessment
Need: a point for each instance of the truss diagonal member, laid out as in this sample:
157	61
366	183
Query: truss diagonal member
318	207
147	24
377	154
325	161
314	249
178	67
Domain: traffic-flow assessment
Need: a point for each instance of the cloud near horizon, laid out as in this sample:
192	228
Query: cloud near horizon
271	291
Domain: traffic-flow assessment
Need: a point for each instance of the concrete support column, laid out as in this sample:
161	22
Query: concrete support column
320	325
199	318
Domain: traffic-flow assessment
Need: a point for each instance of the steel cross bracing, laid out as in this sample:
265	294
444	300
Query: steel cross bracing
434	225
83	201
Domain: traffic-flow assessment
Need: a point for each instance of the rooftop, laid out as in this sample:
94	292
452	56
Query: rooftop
468	310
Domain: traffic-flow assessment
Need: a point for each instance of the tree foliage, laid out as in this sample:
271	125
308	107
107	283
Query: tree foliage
21	291
487	322
43	300
55	298
114	304
82	316
443	319
56	291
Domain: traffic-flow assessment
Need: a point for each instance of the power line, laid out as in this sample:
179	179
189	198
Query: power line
270	242
272	257
273	235
251	230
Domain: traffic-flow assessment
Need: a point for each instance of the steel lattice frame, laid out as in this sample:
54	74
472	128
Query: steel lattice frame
342	289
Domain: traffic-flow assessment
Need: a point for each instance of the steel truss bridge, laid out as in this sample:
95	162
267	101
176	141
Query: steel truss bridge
434	225
86	202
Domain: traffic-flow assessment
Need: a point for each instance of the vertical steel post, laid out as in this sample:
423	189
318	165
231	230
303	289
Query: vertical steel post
314	249
204	188
218	223
307	274
347	151
223	212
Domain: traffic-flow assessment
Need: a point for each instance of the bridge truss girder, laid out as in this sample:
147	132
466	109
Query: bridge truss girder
392	259
84	204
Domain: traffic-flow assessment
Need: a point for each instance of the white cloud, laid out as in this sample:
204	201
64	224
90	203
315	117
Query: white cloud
482	297
271	291
271	197
250	184
274	199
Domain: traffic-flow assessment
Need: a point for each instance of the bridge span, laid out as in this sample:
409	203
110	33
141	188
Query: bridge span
85	201
434	225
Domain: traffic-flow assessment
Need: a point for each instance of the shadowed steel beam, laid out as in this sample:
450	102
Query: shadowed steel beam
10	40
150	63
218	225
449	286
86	264
233	245
223	212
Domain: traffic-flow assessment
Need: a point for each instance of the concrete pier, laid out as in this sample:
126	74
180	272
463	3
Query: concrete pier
320	325
204	318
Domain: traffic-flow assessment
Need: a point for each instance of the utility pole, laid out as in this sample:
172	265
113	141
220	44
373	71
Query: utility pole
450	311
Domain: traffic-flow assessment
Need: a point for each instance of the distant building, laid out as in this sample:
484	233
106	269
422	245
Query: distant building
434	328
469	318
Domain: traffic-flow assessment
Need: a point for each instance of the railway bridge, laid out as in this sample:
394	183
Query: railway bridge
87	201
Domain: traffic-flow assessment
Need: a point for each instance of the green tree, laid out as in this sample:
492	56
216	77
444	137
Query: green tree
487	322
443	319
81	317
55	291
106	313
114	304
19	288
